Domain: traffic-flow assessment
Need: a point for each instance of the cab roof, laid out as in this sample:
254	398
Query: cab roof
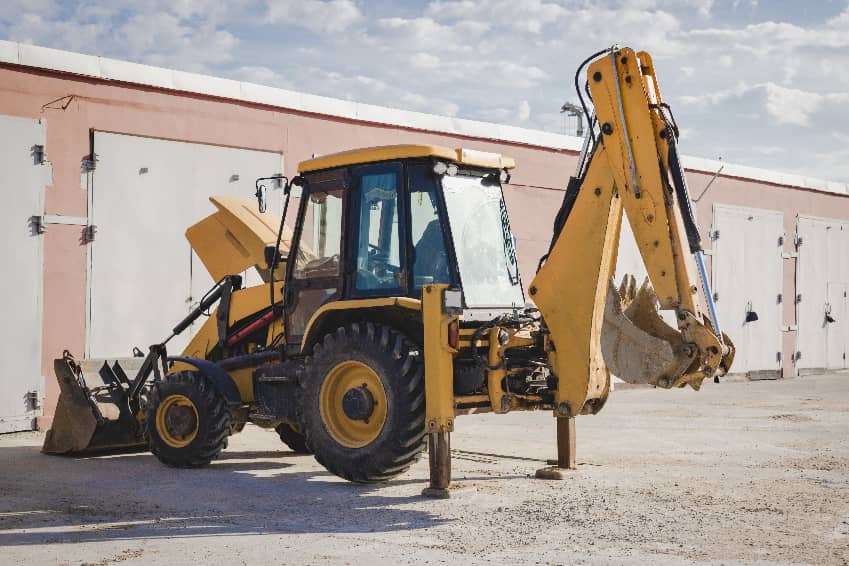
468	157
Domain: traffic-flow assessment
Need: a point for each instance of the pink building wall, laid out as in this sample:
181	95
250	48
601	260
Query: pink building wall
533	196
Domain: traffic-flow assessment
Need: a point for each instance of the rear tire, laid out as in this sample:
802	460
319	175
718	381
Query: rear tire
293	438
378	373
187	421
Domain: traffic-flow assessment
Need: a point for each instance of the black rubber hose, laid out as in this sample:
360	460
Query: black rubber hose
249	360
578	84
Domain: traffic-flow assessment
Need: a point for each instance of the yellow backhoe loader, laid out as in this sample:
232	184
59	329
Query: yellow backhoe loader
396	303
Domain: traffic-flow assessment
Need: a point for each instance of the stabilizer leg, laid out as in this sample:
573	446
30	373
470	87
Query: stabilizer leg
565	451
439	456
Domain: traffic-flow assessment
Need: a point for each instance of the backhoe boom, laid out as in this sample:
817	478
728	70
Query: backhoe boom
632	166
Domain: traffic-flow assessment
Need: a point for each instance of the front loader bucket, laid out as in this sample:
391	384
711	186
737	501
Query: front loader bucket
637	344
87	422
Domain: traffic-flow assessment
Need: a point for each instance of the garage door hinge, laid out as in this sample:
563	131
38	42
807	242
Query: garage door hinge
778	357
32	400
714	235
39	156
715	296
90	163
779	298
37	224
798	298
781	240
798	241
90	232
798	355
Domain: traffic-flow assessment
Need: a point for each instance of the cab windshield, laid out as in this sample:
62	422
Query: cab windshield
483	243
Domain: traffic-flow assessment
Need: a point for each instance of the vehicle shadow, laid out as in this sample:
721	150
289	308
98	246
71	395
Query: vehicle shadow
133	496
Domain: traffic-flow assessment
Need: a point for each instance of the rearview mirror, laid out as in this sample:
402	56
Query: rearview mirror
261	190
261	199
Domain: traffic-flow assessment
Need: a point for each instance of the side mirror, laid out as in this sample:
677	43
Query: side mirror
261	190
261	199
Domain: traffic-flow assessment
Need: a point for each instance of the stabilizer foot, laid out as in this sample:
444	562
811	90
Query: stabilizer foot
436	493
551	473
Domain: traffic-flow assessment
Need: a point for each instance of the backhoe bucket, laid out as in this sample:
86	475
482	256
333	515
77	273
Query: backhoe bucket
637	344
88	421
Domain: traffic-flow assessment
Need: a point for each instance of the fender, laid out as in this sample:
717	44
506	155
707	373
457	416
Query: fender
219	378
349	306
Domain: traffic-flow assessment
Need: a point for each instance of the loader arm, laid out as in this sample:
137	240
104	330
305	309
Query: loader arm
633	166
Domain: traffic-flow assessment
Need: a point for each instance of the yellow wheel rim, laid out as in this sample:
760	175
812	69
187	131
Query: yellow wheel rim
352	402
177	421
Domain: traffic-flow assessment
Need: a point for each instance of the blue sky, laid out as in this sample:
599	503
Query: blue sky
762	83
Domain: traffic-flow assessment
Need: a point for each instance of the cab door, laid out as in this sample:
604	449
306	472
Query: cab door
378	265
315	263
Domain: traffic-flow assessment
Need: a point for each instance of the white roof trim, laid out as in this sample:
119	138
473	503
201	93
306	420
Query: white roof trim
125	71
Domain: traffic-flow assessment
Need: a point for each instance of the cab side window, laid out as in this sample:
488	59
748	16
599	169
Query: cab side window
431	261
316	276
318	252
378	247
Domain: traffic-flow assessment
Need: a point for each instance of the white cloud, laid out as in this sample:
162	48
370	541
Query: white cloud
164	39
412	101
262	75
524	111
424	61
427	33
787	106
12	9
316	15
791	106
185	34
703	100
529	15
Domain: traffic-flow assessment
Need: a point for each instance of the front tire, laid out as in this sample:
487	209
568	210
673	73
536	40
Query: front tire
187	421
363	402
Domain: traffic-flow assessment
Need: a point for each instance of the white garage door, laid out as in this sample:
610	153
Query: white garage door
22	187
143	276
822	276
747	283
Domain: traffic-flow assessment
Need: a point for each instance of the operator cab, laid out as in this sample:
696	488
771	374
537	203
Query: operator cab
382	222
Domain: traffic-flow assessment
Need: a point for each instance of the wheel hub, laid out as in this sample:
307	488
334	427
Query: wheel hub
180	420
358	403
353	404
177	421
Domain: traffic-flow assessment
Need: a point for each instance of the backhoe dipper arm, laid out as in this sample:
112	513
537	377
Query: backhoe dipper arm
633	165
